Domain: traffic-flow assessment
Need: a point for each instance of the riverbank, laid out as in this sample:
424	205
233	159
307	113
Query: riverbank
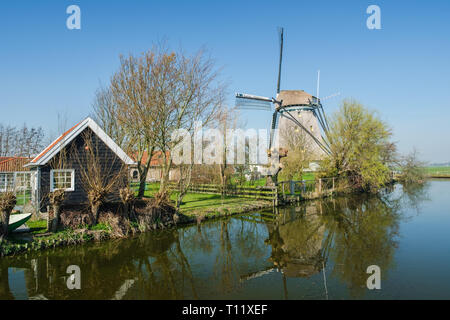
437	172
195	209
199	208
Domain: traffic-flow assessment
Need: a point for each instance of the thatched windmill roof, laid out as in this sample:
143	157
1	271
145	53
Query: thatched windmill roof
295	97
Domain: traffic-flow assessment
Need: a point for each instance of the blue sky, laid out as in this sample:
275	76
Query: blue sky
402	70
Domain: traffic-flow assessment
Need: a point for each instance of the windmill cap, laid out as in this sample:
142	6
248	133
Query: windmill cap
295	97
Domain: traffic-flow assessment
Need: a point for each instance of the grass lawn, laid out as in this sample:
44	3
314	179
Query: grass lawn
213	204
38	226
201	203
209	204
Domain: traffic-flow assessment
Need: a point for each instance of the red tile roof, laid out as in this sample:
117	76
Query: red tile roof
12	164
54	143
157	158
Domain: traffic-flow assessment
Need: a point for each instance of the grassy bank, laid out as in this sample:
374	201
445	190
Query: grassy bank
438	172
210	205
16	245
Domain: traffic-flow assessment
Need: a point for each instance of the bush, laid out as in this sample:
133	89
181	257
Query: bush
412	170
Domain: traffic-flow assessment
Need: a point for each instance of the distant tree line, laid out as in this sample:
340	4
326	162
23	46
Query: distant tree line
21	142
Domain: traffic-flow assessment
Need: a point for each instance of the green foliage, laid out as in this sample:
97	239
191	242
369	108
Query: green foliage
360	147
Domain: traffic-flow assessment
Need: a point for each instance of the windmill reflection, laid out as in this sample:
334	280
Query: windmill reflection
352	232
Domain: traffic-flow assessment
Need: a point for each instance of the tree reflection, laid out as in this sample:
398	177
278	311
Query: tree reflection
344	235
5	292
364	231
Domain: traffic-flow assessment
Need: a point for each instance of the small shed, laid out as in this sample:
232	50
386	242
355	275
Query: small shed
69	178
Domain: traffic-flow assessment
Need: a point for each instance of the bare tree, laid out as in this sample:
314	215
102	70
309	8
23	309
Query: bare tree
101	174
187	90
106	112
24	142
154	94
132	93
227	119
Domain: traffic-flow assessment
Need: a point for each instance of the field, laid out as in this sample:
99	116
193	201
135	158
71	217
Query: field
438	171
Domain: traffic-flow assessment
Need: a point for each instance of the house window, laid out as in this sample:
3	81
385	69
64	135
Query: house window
62	179
135	174
23	180
6	182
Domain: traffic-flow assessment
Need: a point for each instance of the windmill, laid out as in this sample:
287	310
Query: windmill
292	108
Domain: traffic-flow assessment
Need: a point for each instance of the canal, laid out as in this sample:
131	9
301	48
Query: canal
317	250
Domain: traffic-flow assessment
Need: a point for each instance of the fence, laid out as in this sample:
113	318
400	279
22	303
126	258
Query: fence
263	193
306	189
287	191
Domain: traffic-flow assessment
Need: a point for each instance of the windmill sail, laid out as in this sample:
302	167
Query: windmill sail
247	101
244	103
281	35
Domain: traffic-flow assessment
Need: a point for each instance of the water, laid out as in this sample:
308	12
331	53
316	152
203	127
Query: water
318	250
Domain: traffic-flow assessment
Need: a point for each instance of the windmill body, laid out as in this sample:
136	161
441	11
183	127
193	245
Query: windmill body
302	106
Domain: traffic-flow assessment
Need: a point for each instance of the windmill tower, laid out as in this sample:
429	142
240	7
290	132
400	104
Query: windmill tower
301	106
296	111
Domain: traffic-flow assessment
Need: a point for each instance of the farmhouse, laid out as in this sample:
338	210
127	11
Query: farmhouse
66	150
155	170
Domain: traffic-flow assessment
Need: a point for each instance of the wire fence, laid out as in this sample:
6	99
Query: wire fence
264	193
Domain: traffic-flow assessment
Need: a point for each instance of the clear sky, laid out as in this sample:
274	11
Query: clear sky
402	70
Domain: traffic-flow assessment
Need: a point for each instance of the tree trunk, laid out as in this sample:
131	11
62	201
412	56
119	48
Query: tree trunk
167	165
164	181
142	181
184	184
95	209
164	178
56	218
126	211
4	223
223	179
5	292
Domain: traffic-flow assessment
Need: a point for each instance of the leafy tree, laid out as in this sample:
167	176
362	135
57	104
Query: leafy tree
360	148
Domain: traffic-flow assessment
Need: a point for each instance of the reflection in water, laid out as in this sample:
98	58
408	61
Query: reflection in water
248	256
